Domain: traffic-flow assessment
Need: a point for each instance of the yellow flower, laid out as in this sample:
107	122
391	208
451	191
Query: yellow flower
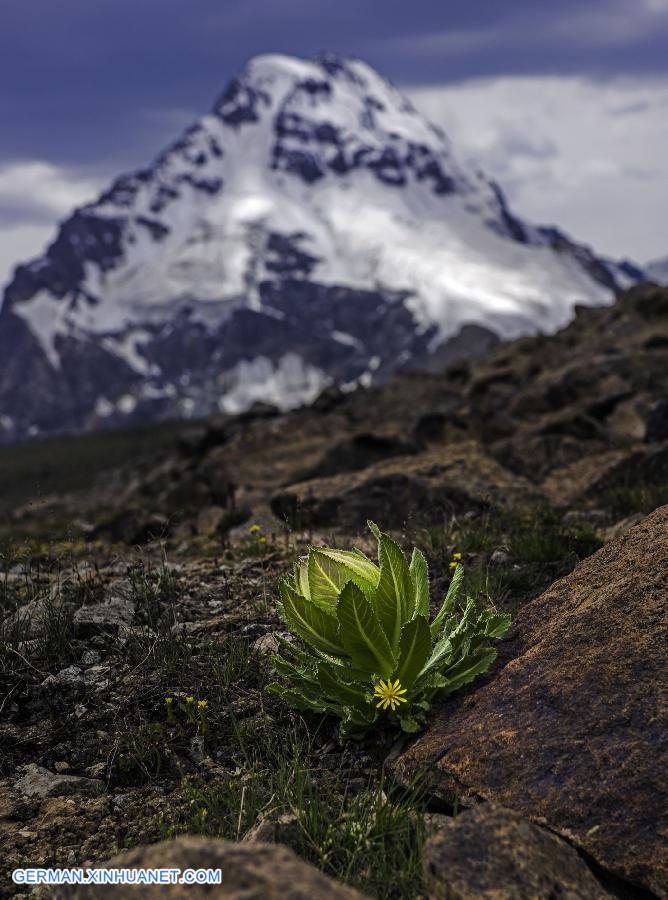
190	699
169	700
389	694
263	540
202	704
457	556
255	528
453	566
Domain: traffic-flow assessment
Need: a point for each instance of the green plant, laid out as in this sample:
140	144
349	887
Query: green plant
366	639
144	748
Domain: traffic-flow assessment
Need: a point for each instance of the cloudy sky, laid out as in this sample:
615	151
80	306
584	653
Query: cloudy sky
565	104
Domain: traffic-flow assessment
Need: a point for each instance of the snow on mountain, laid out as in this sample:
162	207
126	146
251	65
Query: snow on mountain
314	228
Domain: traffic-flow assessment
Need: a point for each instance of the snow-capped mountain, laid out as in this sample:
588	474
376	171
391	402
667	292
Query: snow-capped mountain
314	228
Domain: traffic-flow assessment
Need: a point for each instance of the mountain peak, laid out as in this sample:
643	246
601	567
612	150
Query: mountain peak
314	228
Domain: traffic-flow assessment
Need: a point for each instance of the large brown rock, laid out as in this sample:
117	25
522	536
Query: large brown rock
490	853
449	480
593	475
571	728
249	872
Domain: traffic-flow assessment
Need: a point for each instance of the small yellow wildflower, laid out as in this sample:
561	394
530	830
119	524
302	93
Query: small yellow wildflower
190	699
456	556
169	706
263	540
202	704
389	694
255	528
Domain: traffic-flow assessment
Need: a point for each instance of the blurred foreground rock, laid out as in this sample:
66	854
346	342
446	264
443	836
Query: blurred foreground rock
250	871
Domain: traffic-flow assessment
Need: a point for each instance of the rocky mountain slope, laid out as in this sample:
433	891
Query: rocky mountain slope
313	229
579	418
137	621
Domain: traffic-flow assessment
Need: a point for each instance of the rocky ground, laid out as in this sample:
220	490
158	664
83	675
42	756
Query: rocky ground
138	621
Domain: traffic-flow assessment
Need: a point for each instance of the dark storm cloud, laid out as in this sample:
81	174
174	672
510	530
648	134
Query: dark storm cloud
89	82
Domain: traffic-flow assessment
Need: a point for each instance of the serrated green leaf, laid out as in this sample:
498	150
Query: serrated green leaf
310	623
395	595
342	668
419	571
497	624
349	694
301	656
299	700
301	577
326	579
465	626
294	673
414	650
440	654
281	611
330	569
467	669
449	601
409	724
356	723
361	633
361	714
359	567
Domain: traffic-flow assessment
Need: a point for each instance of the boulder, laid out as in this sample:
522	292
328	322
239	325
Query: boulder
32	619
39	782
617	469
426	488
491	852
110	617
250	871
569	728
132	525
358	452
68	679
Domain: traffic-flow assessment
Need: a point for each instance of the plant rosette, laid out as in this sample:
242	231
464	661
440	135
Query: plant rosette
368	651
